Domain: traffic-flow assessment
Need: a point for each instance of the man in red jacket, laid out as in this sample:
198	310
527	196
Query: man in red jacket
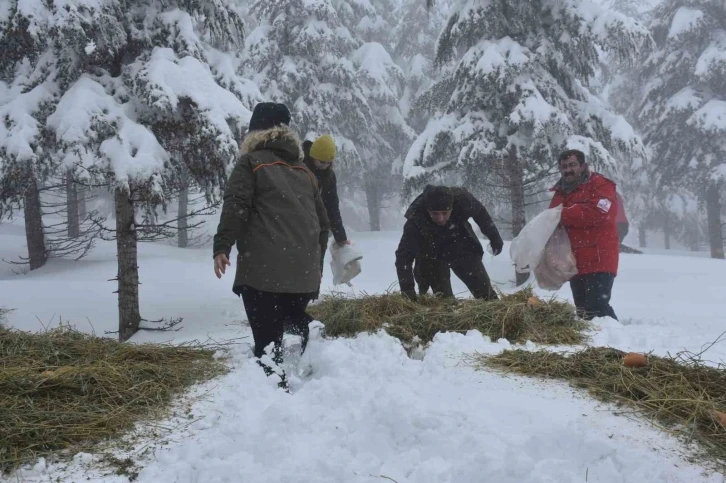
588	214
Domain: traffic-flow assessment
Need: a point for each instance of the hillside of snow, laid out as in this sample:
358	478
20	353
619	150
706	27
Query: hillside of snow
368	412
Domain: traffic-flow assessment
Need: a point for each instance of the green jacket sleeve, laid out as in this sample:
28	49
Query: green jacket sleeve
236	206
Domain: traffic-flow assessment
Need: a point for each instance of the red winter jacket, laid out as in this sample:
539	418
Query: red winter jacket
588	215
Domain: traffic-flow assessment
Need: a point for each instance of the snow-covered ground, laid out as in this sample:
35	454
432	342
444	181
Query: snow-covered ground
369	412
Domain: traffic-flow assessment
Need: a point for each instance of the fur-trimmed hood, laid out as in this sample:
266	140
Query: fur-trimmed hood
280	139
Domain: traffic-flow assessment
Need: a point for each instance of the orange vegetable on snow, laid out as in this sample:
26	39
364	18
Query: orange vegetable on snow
533	302
720	417
633	359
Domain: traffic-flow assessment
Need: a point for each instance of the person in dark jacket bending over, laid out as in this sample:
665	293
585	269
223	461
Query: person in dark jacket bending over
274	213
589	213
319	157
438	236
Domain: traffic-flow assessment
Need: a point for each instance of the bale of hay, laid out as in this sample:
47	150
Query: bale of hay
681	394
64	389
513	317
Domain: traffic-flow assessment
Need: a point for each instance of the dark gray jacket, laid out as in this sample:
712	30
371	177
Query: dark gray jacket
422	238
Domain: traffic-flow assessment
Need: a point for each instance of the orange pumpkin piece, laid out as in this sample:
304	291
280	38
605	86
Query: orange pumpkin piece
533	302
720	417
633	359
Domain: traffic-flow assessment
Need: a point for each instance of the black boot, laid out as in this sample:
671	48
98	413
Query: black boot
277	360
283	384
305	331
300	327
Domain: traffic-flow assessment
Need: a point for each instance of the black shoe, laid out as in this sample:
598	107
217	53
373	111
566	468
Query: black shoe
283	384
269	371
300	328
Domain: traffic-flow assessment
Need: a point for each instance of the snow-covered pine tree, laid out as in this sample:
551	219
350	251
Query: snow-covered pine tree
384	145
298	55
368	20
27	91
622	88
413	49
133	95
637	9
316	57
683	113
382	83
515	92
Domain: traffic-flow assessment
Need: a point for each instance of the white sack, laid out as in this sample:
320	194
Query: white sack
344	262
527	248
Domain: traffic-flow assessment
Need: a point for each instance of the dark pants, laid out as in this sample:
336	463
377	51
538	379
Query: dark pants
435	274
623	229
272	314
592	294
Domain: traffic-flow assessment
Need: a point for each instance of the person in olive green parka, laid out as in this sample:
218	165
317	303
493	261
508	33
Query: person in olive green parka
275	215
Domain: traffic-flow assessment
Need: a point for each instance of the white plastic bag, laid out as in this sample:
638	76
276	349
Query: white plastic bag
527	248
558	264
344	262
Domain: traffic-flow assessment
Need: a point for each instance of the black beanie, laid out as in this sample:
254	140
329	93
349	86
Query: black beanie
267	115
439	198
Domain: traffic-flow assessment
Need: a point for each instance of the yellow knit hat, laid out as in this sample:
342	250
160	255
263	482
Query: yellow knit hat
323	149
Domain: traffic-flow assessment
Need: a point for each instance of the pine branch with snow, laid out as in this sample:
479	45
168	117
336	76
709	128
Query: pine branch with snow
683	97
135	95
683	112
520	85
298	56
414	47
382	82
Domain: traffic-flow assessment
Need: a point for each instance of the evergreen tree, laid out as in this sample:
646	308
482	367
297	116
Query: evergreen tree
298	55
318	58
383	147
368	21
383	84
135	95
413	49
637	9
514	93
683	112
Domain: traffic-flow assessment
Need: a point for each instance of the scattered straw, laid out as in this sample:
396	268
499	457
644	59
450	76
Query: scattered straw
4	315
680	394
64	389
510	317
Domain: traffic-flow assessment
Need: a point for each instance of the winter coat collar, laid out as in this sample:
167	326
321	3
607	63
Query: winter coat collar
319	173
569	188
281	140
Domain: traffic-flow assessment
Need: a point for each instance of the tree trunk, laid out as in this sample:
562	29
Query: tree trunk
34	234
82	194
129	316
182	227
373	198
516	199
667	231
713	211
642	236
72	214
